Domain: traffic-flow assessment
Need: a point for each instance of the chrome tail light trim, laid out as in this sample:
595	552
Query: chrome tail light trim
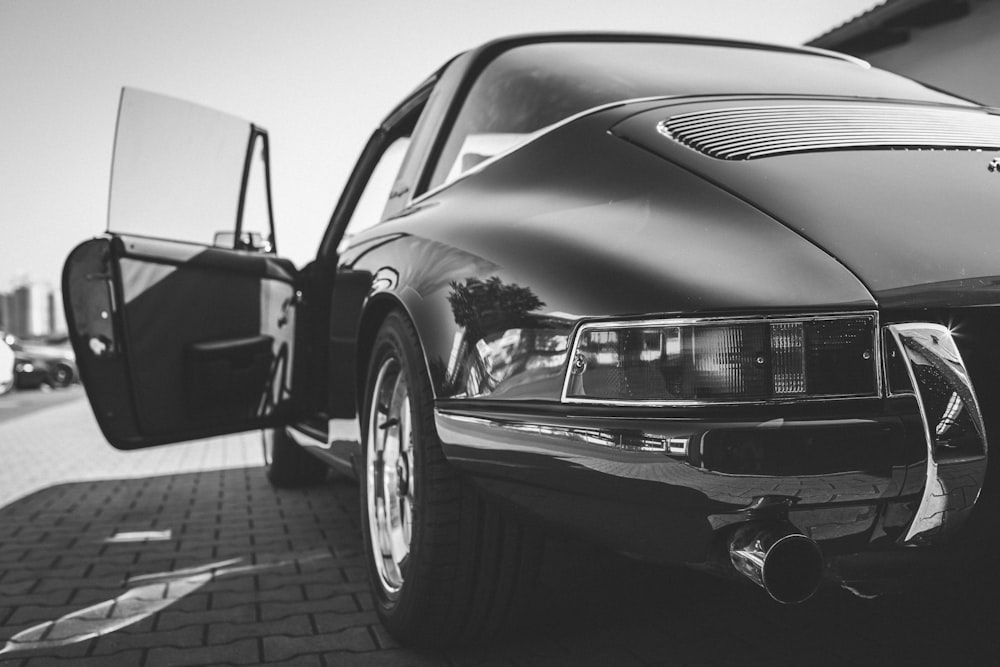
953	429
876	390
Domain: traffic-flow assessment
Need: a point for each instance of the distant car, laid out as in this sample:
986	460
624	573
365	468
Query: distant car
7	360
711	303
40	363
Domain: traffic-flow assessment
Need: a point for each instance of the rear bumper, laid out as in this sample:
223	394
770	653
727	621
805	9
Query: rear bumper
31	379
674	489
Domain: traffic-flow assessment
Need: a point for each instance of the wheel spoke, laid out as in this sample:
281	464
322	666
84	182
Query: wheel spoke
407	519
406	445
389	473
385	547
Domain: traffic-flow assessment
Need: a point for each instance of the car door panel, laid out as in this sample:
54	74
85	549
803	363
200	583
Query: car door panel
202	337
182	326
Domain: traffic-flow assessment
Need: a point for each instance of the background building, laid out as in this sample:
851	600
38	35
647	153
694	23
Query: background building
949	44
32	310
6	311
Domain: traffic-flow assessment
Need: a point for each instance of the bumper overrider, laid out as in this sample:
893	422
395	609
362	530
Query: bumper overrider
862	491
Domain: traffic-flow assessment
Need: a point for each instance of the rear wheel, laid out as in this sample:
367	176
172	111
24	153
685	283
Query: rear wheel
444	566
288	465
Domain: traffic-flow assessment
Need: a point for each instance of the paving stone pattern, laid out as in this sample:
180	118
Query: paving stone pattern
63	443
293	590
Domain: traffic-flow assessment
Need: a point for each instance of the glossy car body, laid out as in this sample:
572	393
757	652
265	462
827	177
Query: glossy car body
557	185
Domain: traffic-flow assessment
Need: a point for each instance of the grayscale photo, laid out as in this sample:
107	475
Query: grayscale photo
477	334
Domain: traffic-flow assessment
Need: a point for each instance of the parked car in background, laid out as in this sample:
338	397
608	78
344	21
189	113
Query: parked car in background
7	360
711	303
41	363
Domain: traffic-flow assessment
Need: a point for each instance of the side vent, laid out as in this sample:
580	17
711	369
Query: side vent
747	133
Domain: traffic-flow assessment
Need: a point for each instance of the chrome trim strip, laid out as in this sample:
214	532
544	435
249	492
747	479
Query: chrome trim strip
534	136
860	62
889	393
684	321
954	478
591	436
303	439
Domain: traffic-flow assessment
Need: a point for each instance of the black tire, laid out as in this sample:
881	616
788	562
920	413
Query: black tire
468	569
61	376
288	465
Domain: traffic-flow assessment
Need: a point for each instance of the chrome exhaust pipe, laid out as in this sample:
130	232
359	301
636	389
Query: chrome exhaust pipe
779	559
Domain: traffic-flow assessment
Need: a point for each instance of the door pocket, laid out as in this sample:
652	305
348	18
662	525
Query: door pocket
225	380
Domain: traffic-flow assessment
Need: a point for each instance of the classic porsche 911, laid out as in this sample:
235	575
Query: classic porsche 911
712	303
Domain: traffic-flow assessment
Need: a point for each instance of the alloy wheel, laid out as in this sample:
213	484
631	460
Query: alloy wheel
389	474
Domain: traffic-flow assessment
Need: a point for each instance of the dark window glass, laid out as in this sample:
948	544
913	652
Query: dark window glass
530	87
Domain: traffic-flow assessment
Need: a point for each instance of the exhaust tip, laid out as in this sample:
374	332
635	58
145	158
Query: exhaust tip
785	563
792	569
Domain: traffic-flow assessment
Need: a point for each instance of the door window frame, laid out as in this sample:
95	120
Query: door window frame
406	120
256	134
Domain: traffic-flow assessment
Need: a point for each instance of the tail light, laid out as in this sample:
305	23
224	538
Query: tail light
717	360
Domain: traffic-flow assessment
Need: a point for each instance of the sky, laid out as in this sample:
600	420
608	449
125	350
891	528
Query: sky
317	74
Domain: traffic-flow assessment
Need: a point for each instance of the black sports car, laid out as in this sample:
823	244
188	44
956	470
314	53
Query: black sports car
715	303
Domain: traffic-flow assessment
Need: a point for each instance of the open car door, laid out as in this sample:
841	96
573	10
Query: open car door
181	315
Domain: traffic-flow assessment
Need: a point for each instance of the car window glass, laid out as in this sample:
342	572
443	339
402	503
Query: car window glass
526	89
372	204
177	169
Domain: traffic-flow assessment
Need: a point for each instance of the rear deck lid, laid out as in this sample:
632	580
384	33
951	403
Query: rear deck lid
907	196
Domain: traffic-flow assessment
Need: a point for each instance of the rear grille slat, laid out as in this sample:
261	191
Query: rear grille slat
746	133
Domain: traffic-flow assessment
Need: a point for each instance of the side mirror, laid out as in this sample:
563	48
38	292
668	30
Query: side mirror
251	241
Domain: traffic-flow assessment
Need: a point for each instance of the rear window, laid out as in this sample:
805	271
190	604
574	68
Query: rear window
528	88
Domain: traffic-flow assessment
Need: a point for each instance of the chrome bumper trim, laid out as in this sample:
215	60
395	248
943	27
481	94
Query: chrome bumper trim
953	429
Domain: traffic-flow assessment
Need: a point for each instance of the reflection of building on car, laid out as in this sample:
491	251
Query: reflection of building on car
627	288
42	363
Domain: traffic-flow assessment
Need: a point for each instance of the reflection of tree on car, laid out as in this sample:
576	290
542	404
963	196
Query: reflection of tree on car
501	338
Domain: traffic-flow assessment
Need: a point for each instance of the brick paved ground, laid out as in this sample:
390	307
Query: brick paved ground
63	443
288	585
20	403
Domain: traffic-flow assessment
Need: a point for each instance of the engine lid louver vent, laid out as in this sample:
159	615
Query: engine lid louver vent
746	133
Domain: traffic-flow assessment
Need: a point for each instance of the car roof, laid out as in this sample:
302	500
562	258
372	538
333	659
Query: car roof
699	66
511	41
489	50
